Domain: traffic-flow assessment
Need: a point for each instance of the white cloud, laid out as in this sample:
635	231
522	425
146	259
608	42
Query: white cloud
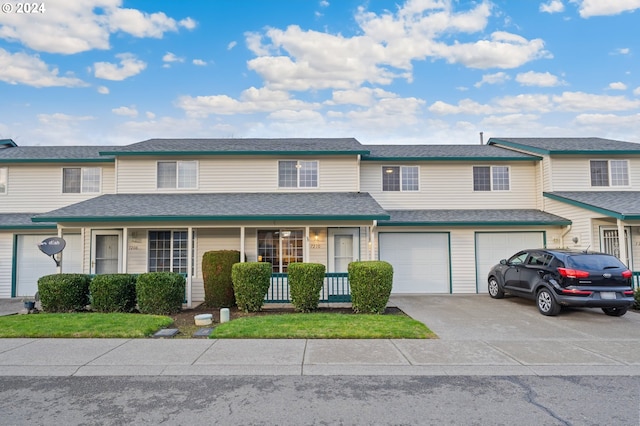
617	85
622	51
171	57
589	8
199	62
465	106
81	25
580	101
129	66
363	96
126	111
496	78
103	90
540	79
150	115
20	68
232	45
60	119
324	3
553	6
636	91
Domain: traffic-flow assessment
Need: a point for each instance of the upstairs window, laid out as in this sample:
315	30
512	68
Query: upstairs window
400	178
177	175
3	180
609	172
80	180
297	174
491	178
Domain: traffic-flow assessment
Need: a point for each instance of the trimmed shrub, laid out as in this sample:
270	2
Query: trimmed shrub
113	293
160	293
64	292
216	272
636	295
305	282
371	283
251	281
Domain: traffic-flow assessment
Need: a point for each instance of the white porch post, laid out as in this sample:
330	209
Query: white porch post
189	265
59	265
372	238
622	242
125	248
307	245
242	244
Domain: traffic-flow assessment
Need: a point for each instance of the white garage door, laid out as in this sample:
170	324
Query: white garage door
493	246
33	264
420	261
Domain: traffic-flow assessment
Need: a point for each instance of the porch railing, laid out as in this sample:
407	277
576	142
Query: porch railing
335	288
636	280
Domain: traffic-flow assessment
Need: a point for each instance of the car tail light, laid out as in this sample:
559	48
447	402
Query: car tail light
628	292
576	292
573	273
627	274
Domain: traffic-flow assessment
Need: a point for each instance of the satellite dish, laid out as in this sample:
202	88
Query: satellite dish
52	246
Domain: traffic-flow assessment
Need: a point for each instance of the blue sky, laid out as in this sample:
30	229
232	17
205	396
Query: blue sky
102	72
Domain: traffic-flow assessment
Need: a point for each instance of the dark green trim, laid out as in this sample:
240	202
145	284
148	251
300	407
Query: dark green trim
476	224
14	266
532	158
606	212
493	141
8	142
197	153
27	227
207	218
57	160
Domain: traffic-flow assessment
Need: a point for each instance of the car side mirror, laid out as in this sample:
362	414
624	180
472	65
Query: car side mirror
503	261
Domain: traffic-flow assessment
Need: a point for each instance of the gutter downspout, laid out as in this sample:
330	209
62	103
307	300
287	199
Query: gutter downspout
372	239
564	234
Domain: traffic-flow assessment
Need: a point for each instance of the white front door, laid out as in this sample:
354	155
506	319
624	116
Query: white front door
106	252
344	248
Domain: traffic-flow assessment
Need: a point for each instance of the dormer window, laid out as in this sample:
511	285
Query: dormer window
297	174
609	172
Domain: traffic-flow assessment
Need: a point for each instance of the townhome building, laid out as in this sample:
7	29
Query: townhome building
442	215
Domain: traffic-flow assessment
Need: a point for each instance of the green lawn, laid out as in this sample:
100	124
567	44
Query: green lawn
82	325
323	326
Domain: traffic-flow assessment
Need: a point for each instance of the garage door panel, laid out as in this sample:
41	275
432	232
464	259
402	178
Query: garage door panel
420	261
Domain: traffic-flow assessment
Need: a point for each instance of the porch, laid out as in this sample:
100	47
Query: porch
335	289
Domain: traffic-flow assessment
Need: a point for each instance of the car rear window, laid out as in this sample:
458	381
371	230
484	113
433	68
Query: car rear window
594	262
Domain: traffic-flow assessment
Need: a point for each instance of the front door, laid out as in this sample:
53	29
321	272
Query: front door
106	252
344	248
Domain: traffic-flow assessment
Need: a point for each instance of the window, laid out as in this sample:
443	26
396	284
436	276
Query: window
280	248
400	178
609	172
168	251
177	174
490	178
3	180
297	174
76	180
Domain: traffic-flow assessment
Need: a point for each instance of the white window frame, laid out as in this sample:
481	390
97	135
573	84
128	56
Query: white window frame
492	179
281	252
610	180
4	180
402	170
172	265
298	166
83	190
178	181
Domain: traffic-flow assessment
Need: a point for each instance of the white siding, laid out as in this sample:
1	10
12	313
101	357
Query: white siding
6	264
573	173
38	188
450	186
238	174
581	227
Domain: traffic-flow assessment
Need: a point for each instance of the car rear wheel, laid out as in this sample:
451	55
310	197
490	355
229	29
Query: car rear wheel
547	304
494	289
615	312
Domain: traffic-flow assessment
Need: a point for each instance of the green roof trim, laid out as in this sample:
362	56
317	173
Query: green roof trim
591	207
227	153
28	227
208	218
8	142
469	159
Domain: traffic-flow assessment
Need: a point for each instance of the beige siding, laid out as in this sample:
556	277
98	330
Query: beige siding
238	174
581	227
6	264
450	186
38	188
573	173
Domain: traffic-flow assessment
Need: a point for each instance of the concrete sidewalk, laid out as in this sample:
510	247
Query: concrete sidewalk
478	336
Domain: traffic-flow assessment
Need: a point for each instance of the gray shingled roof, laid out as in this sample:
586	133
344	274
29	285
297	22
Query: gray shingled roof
442	152
249	206
53	153
240	146
568	145
498	217
618	204
22	221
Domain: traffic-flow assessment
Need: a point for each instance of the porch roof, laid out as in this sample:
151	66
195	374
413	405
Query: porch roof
623	205
506	217
22	221
220	207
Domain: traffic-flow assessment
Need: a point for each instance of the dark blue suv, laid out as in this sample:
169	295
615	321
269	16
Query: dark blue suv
556	278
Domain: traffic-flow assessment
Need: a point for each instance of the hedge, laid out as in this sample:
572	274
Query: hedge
113	293
371	283
251	281
305	282
216	272
64	292
160	293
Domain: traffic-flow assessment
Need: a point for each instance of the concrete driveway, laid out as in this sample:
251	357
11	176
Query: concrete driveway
11	306
478	317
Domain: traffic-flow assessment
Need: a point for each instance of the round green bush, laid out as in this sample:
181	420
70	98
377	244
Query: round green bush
64	292
371	283
216	273
251	281
160	293
113	293
305	282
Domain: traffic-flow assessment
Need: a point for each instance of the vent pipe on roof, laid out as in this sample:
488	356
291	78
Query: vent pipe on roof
481	138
